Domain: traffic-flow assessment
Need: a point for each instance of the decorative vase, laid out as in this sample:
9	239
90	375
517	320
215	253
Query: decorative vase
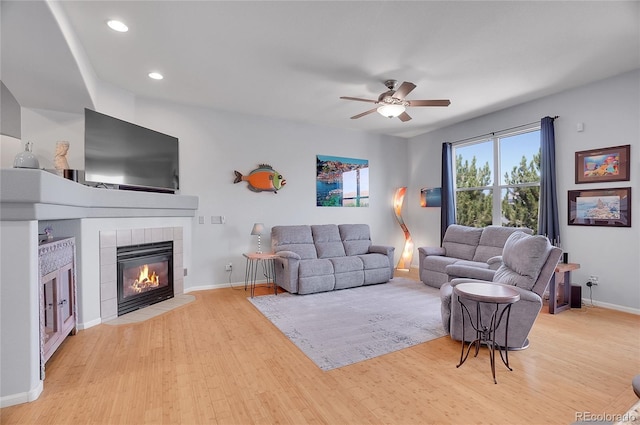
26	159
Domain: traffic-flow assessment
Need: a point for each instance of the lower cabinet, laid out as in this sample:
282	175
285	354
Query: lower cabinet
57	295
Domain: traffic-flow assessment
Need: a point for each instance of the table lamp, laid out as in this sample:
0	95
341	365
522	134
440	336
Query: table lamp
258	228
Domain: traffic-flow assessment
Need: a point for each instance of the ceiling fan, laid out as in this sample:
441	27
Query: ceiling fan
392	103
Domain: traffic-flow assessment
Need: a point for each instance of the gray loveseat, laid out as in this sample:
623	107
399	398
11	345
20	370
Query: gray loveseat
325	257
471	252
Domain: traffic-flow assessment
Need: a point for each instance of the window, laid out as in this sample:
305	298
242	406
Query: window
497	180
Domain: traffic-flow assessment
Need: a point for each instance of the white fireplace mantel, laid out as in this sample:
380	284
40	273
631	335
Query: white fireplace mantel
27	194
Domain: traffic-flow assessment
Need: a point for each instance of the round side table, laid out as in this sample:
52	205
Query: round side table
502	298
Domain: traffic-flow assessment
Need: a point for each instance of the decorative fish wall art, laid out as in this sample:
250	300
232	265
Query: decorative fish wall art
262	179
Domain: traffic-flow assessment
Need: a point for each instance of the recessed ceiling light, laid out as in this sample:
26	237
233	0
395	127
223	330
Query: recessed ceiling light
156	75
117	26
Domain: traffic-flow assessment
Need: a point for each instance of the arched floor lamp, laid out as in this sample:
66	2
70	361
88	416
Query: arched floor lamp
407	252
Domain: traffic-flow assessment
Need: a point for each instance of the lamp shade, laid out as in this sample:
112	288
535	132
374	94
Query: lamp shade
258	228
391	110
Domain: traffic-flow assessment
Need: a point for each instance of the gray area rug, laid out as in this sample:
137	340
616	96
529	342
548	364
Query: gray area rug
339	328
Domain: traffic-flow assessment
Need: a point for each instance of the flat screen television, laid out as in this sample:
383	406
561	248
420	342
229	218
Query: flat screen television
127	156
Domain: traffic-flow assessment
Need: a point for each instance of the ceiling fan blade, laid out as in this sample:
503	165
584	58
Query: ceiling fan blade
404	117
370	111
358	99
439	102
404	89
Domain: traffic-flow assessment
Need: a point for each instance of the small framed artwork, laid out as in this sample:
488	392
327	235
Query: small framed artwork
600	207
431	197
603	165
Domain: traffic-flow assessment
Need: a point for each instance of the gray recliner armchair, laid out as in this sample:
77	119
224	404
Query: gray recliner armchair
528	263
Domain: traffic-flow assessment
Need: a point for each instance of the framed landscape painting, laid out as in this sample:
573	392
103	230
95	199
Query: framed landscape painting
603	165
431	197
342	182
600	207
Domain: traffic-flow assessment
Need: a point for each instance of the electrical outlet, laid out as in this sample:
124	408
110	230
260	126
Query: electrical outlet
593	279
228	267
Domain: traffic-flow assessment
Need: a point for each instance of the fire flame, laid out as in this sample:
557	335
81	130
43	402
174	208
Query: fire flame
145	280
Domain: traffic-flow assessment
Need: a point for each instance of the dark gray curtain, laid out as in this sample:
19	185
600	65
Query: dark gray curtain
448	210
548	223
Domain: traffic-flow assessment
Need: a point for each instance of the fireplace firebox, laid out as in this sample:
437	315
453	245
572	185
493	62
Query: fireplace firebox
145	275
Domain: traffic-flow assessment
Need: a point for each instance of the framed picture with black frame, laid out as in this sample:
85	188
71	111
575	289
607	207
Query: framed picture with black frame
603	165
609	207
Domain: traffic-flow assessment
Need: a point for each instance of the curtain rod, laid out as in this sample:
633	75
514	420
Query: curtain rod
500	131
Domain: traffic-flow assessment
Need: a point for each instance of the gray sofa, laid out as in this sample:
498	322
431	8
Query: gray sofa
318	258
471	252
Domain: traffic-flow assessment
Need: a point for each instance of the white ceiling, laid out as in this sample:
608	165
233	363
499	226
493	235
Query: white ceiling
294	59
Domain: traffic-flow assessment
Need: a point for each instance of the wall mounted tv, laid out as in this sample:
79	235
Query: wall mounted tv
123	155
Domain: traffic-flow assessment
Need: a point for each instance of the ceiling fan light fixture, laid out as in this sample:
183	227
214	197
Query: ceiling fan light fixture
391	110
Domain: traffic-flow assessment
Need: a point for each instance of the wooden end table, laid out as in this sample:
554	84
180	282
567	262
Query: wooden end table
499	295
254	260
565	269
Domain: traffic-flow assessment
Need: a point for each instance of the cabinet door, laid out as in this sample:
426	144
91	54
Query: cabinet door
57	283
51	312
66	302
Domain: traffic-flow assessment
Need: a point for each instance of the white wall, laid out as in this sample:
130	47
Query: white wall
19	317
213	144
610	112
44	128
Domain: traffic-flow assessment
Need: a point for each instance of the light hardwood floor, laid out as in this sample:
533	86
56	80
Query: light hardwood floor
217	360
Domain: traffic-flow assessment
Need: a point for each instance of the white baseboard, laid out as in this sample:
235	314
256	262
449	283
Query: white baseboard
213	286
89	324
13	399
588	302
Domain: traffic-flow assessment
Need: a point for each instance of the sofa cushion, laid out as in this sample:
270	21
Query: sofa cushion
461	241
316	267
298	239
315	276
376	268
346	264
327	241
437	263
467	263
348	272
492	241
313	284
523	257
356	238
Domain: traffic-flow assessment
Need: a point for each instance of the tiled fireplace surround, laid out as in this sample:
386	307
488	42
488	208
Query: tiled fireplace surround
110	240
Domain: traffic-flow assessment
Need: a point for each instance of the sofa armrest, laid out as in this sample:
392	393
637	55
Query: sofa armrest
382	249
495	262
459	280
446	292
288	254
389	251
432	250
455	271
286	265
